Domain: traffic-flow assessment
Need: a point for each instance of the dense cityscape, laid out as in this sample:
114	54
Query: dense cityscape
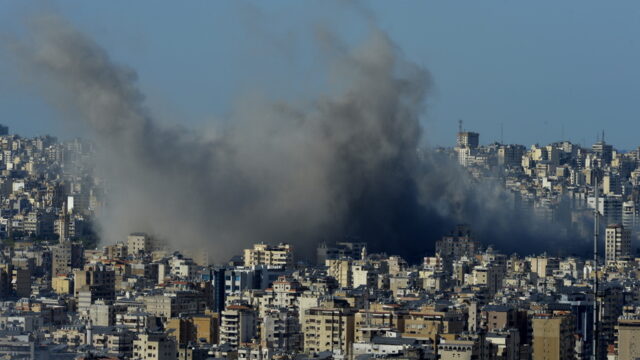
319	180
65	295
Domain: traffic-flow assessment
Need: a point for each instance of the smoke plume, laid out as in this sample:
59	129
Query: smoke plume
347	165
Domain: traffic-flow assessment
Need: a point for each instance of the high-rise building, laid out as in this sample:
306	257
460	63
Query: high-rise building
431	321
206	328
219	293
154	347
181	329
329	328
175	303
238	325
489	276
102	314
138	243
62	284
544	266
66	257
504	344
630	216
553	336
459	349
617	243
468	139
270	255
603	151
116	251
194	329
610	208
341	250
364	275
465	155
280	330
21	282
498	317
511	155
341	271
97	279
611	184
457	244
628	331
611	299
62	224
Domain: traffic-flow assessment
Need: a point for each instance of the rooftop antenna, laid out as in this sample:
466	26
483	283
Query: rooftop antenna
460	125
562	132
595	267
603	136
501	133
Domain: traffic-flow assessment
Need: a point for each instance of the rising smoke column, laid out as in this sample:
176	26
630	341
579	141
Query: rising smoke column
346	165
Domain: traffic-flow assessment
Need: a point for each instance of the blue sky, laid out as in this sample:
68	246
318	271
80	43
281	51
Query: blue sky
537	67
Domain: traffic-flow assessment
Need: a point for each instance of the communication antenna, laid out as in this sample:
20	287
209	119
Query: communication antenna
460	125
501	133
596	230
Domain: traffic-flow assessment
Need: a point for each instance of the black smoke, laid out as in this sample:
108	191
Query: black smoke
349	164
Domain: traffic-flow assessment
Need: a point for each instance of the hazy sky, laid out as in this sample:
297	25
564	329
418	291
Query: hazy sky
537	67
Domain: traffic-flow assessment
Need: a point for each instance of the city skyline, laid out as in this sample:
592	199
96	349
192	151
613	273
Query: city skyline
572	91
329	180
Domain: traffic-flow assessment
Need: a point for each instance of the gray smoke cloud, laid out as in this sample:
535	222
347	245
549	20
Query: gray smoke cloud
347	164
